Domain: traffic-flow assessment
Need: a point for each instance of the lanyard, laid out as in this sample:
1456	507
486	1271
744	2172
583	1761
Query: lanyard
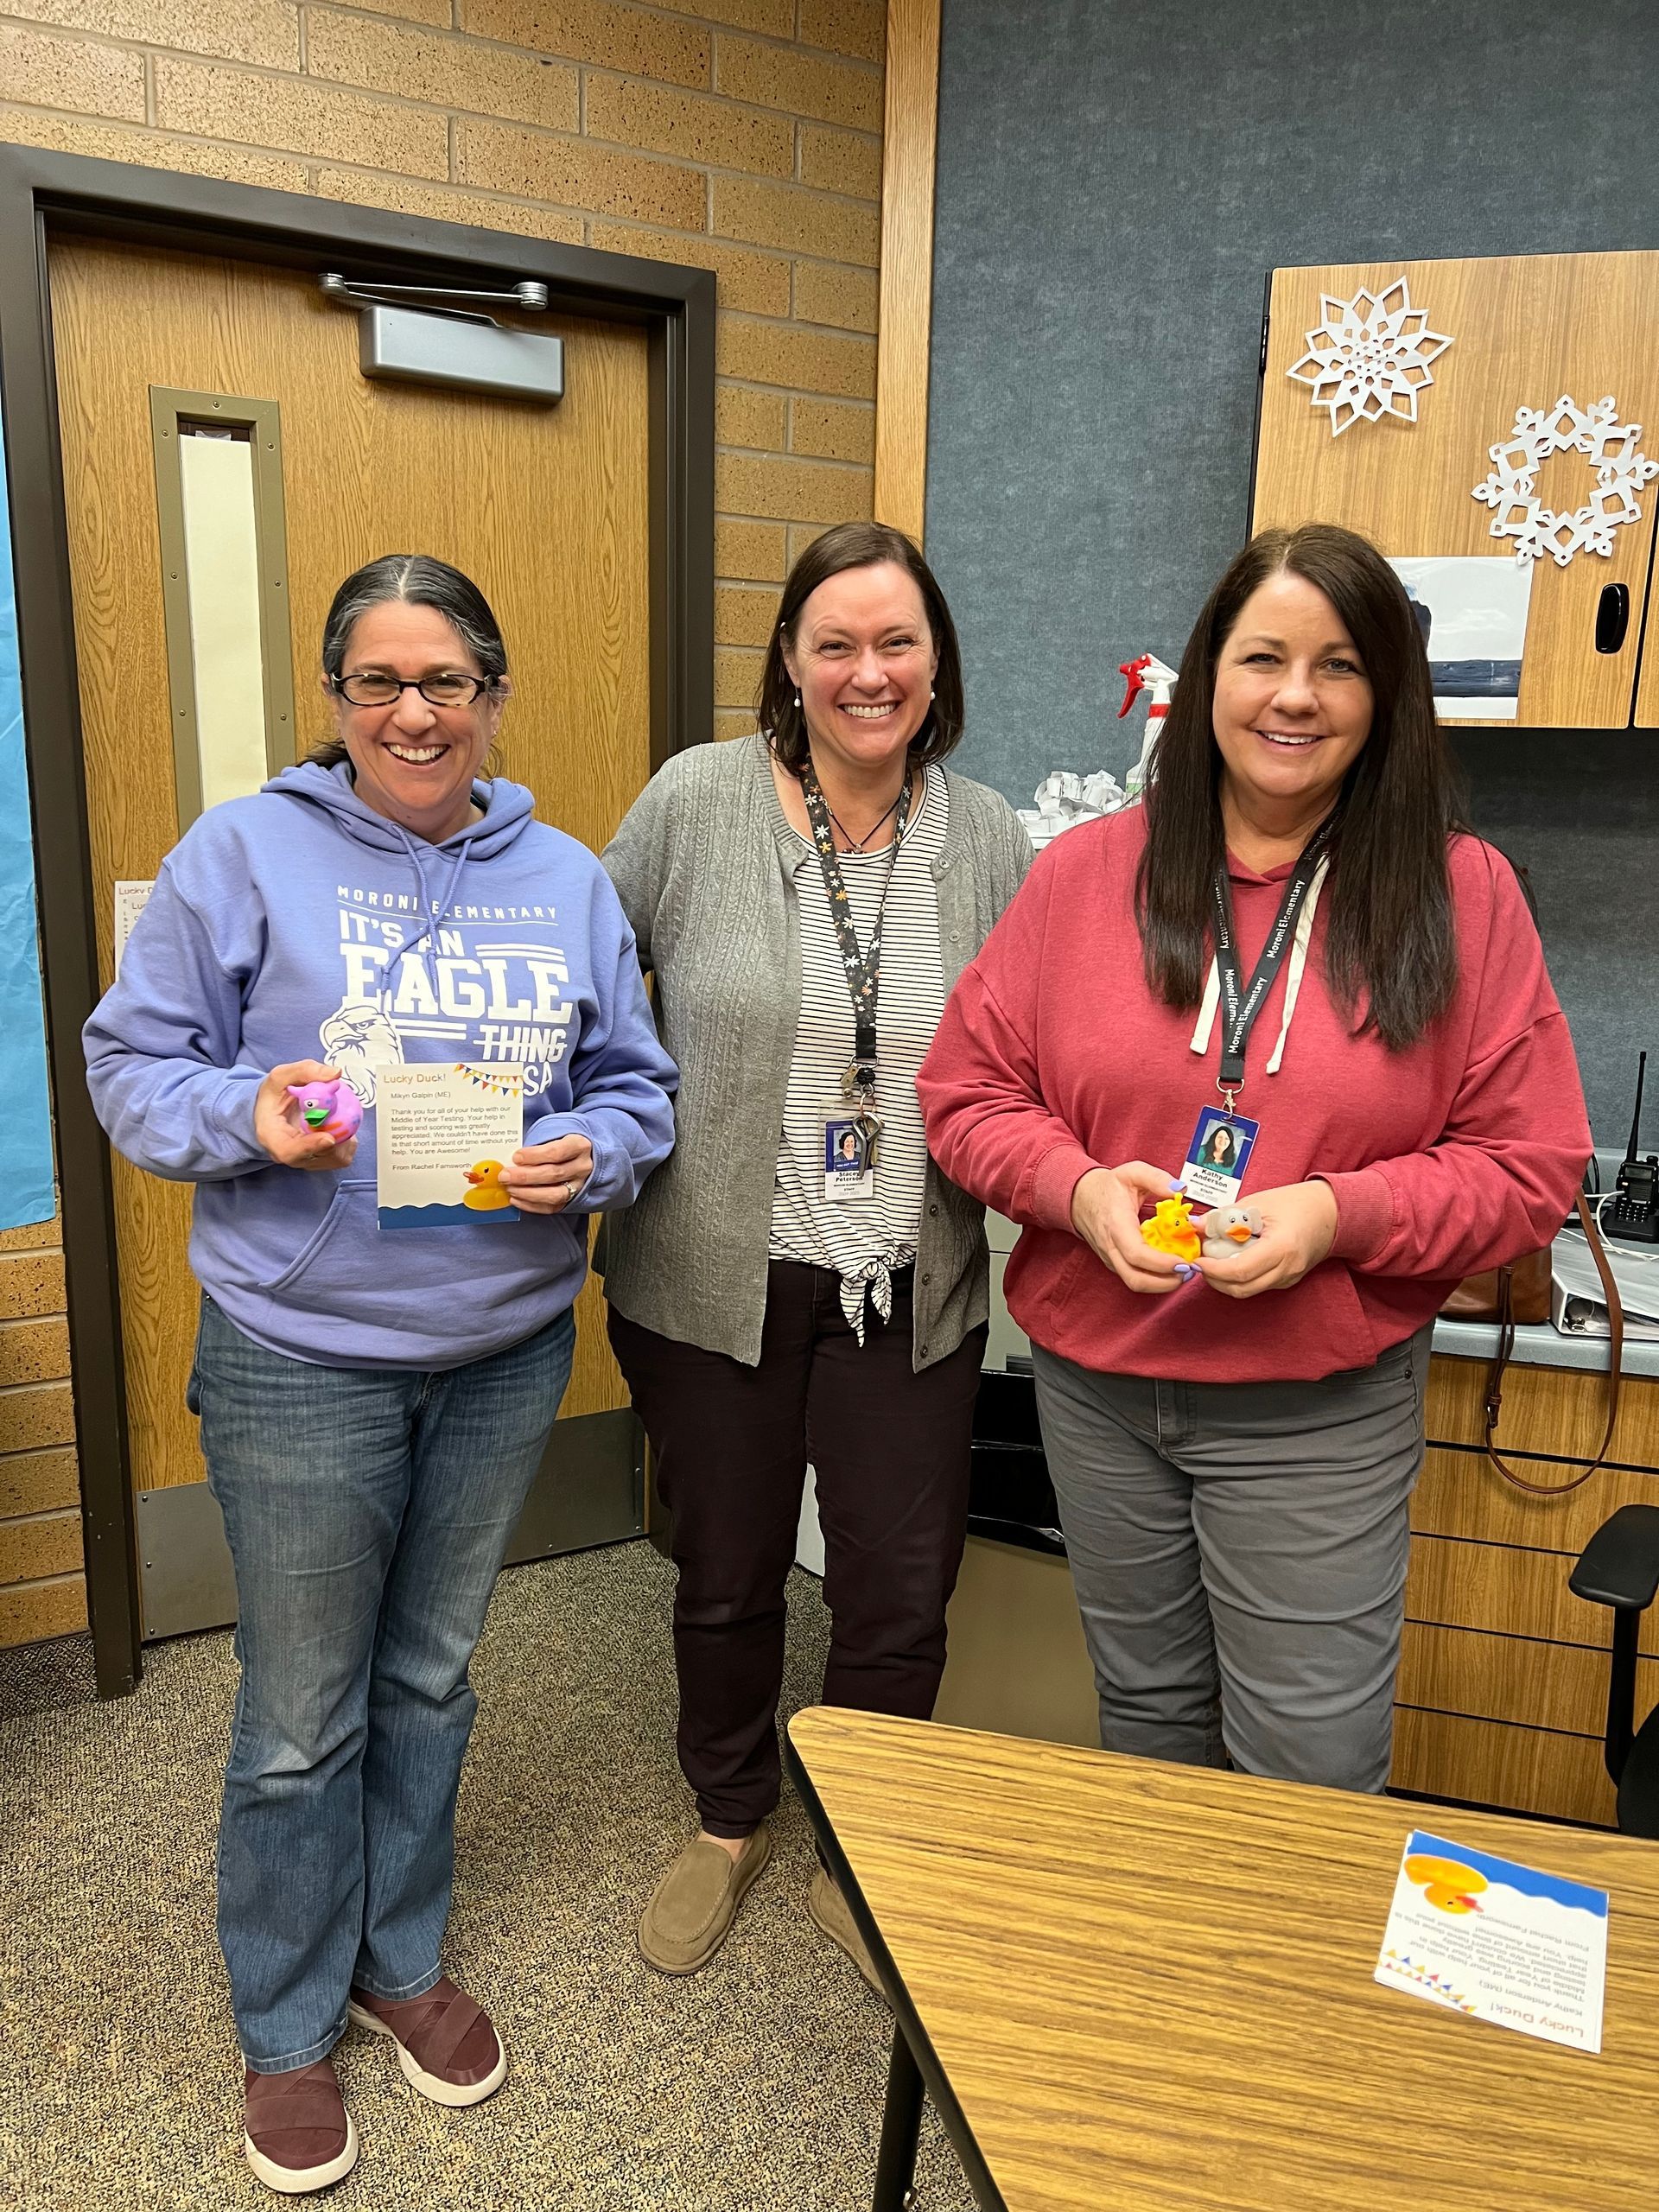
863	969
1241	1002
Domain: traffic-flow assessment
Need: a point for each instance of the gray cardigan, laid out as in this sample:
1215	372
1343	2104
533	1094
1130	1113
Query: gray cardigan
705	866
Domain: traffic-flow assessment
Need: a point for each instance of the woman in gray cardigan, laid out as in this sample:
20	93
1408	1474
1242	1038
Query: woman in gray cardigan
800	1281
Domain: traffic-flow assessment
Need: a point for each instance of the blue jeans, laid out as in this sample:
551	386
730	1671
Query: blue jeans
367	1511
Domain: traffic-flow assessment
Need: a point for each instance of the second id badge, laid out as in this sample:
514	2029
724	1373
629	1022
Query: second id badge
851	1139
1217	1155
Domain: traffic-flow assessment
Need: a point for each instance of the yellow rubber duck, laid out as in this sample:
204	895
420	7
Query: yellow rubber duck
1170	1230
486	1193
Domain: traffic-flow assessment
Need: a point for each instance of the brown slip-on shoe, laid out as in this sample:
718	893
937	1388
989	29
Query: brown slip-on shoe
694	1904
298	2133
829	1908
447	2046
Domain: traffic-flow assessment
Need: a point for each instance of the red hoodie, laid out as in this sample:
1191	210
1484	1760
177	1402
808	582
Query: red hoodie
1461	1153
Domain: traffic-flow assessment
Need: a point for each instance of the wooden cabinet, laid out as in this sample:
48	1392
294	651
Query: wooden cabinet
1502	1687
1524	331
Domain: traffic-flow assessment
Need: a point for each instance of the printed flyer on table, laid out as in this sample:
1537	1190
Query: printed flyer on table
1499	1940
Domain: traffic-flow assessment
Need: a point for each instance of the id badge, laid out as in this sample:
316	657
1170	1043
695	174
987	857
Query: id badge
851	1140
1217	1156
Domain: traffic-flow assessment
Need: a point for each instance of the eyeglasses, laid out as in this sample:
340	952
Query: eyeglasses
447	688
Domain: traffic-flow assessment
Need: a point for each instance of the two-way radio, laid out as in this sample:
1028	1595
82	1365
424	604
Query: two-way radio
1632	1210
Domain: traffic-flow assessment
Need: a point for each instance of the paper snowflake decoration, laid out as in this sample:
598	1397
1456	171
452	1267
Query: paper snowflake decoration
1369	357
1610	446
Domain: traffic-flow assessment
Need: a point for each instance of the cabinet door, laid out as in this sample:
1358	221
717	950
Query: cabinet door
1524	331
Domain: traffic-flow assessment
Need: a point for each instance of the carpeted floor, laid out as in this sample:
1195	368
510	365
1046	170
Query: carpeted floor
756	2086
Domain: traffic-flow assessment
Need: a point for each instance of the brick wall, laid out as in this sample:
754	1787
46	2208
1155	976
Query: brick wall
42	1587
741	135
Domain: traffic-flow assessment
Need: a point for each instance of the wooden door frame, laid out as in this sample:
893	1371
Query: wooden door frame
157	208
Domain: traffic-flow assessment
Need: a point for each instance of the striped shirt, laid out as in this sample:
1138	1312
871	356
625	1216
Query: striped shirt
863	1240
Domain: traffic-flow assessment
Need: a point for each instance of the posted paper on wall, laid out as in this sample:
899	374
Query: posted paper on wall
1498	1941
443	1133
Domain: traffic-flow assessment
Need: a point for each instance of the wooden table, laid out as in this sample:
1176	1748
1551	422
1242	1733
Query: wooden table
1128	1985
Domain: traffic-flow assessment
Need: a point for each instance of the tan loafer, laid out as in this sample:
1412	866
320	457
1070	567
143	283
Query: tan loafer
298	2133
829	1908
693	1906
447	2046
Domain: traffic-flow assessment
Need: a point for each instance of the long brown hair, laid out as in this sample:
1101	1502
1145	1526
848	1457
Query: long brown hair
1388	938
860	545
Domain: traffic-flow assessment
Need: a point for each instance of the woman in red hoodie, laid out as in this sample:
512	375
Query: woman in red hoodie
1294	939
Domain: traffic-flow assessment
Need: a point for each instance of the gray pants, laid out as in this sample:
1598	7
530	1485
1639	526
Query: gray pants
1239	1551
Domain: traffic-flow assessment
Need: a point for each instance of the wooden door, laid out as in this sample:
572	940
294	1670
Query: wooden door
1524	331
545	508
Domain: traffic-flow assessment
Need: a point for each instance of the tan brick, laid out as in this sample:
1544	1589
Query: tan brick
593	30
790	491
34	1352
800	220
827	292
539	167
33	1417
359	189
218	102
775	18
663	119
737	678
31	1283
805	360
51	71
421	11
732	722
31	1550
756	282
743	417
113	142
32	1235
832	430
840	160
756	550
744	617
39	1482
263	31
855	27
799	84
36	1611
457	72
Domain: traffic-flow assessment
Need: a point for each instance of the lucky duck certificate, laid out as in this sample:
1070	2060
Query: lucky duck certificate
1498	1941
444	1134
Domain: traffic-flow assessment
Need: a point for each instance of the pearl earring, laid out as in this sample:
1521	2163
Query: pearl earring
798	702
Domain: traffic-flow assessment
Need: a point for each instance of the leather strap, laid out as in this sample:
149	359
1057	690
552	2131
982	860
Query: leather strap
1506	1346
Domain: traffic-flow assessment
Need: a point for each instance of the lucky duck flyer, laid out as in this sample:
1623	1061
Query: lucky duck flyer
444	1132
1498	1941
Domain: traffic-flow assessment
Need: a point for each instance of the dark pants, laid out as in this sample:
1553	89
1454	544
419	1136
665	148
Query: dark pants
889	1448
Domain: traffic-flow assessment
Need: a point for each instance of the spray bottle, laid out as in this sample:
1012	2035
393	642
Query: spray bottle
1147	674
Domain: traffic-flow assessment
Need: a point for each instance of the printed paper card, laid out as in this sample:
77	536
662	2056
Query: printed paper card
443	1132
1497	1940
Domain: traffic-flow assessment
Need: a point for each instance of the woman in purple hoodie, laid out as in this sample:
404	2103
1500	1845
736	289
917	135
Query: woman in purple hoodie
373	1408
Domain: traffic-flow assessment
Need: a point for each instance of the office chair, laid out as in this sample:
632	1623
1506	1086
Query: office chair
1619	1566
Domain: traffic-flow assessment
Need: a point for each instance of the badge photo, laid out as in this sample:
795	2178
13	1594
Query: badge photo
849	1168
1218	1155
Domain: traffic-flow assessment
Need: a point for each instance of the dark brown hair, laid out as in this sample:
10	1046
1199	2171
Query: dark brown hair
1388	938
423	580
860	545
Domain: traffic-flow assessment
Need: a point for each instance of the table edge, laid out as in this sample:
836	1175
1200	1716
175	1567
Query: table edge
907	2021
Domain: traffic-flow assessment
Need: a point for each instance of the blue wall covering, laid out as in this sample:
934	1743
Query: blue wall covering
26	1183
1116	180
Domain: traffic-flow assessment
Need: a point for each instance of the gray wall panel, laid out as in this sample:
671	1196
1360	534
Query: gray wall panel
1116	180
